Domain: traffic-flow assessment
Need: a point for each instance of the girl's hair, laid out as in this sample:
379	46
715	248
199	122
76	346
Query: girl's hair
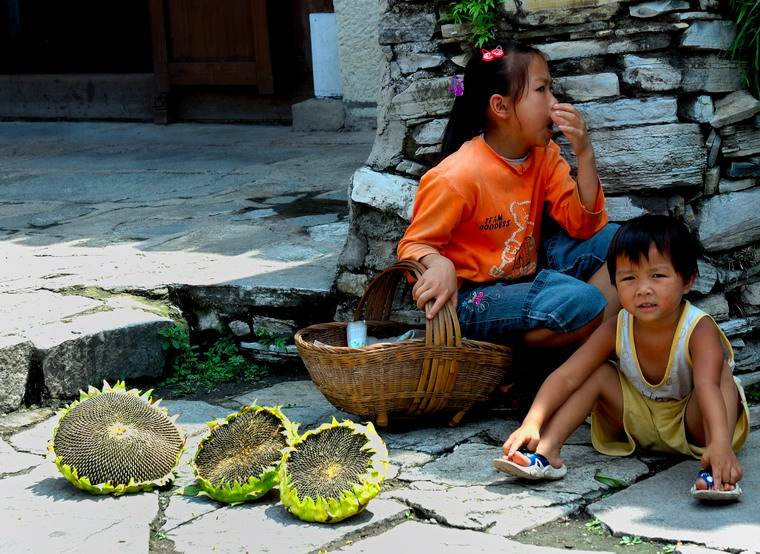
669	235
507	75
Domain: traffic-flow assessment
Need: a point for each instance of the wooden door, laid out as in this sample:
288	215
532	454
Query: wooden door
209	42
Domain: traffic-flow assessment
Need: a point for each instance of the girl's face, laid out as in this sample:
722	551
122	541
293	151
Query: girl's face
651	289
530	123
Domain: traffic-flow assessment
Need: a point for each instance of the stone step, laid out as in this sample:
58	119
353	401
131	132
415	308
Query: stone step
74	341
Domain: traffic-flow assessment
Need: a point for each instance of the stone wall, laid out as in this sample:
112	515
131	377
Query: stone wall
673	131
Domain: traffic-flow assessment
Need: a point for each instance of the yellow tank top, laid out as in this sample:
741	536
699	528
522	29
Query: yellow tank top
677	380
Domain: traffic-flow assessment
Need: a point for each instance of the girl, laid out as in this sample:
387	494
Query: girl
477	219
673	389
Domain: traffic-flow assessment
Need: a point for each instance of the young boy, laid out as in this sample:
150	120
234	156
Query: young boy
673	388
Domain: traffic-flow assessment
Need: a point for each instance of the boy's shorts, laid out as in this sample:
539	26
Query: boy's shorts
656	425
557	297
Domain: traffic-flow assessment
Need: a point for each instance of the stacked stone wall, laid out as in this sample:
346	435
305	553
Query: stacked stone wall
673	129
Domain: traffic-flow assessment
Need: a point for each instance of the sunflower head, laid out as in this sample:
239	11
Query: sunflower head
332	472
116	441
239	458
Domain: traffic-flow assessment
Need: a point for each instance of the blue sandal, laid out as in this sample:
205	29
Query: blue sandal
539	467
710	494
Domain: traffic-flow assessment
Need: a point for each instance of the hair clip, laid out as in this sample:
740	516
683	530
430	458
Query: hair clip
457	86
489	55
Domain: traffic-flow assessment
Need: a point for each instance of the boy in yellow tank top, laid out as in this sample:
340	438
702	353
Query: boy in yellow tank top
672	389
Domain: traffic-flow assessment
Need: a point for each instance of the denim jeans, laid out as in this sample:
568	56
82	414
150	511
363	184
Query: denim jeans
557	297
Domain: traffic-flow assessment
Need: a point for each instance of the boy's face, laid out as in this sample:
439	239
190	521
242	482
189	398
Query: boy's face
650	289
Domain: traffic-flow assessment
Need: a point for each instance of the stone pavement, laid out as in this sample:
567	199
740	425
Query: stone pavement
98	220
441	492
101	222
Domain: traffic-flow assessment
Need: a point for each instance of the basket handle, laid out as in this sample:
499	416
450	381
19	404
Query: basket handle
438	376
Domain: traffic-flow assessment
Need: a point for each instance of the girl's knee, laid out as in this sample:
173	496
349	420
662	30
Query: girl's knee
587	330
546	338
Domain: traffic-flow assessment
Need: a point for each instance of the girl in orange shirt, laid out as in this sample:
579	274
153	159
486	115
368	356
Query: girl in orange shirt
479	226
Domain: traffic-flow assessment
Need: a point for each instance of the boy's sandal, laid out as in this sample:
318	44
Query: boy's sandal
712	495
539	467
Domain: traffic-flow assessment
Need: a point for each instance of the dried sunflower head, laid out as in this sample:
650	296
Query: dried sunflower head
238	460
332	472
116	441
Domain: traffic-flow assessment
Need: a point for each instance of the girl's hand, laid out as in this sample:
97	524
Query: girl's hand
439	281
570	121
527	435
726	469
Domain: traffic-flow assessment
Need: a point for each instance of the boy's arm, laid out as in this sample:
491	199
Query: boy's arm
561	384
707	357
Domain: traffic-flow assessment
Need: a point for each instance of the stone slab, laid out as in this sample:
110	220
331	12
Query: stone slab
185	475
301	401
14	462
497	510
38	307
183	204
318	114
470	464
43	512
734	107
437	538
662	507
728	221
116	344
229	529
194	414
668	156
15	365
35	439
14	422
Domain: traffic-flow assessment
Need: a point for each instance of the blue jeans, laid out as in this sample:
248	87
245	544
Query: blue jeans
557	297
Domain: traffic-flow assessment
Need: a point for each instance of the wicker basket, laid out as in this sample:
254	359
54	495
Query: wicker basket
406	378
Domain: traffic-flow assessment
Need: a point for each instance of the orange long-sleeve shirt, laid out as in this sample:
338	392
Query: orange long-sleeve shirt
484	213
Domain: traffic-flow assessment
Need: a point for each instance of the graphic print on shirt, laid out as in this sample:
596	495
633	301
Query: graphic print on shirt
520	249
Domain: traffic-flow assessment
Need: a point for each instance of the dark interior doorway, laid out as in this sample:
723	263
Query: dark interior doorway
86	36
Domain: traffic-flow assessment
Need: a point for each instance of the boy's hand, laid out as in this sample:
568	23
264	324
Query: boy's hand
570	121
726	469
527	435
439	281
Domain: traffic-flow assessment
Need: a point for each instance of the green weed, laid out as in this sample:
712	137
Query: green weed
595	527
479	15
266	338
193	370
745	48
626	540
